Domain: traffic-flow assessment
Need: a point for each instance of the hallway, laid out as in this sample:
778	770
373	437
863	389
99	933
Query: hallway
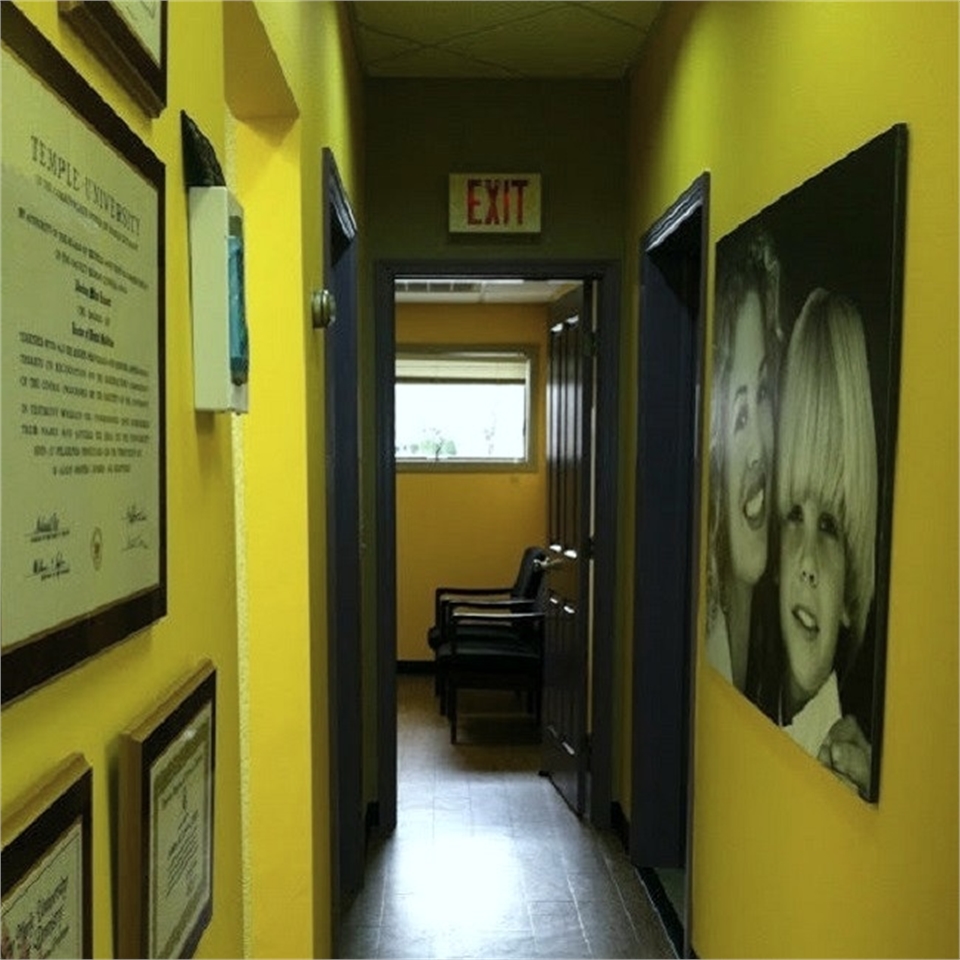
487	860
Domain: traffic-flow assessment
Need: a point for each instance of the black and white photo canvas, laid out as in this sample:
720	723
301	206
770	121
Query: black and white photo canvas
803	425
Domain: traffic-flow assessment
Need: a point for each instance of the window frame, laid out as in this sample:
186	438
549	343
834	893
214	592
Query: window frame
531	461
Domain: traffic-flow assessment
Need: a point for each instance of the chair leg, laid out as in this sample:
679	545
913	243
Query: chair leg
451	693
442	689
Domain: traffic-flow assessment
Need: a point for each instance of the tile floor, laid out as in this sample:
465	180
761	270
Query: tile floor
487	860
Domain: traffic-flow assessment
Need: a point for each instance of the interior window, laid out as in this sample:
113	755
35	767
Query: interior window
456	406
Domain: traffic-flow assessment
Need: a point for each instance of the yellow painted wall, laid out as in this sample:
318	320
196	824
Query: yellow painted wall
465	529
281	874
764	95
86	709
276	844
279	167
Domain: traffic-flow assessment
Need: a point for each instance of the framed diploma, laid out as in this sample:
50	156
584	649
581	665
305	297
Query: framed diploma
82	420
166	822
130	36
46	868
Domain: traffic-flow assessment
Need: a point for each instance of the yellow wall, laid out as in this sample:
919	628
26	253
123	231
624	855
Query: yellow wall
465	529
86	709
764	95
276	549
279	168
272	869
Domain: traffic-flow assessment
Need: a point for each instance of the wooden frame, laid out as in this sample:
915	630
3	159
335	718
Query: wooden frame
47	869
83	473
167	767
131	40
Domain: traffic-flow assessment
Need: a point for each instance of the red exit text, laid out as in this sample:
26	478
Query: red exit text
495	201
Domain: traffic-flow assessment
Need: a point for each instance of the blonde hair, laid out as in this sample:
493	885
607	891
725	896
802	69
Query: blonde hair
826	441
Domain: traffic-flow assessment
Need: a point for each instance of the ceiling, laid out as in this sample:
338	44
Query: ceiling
497	39
500	39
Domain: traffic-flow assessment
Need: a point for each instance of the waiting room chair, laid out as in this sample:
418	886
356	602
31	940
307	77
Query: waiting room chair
524	588
492	645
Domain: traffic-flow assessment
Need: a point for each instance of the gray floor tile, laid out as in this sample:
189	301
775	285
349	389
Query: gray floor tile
487	860
414	947
589	887
562	945
359	942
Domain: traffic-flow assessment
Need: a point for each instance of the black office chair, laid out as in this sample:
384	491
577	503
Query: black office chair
492	645
524	588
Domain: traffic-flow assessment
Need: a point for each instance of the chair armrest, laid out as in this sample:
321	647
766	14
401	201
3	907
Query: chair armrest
526	626
444	595
518	605
492	611
470	591
491	618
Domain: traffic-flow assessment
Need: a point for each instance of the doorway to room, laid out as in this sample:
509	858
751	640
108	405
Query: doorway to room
604	278
672	336
336	311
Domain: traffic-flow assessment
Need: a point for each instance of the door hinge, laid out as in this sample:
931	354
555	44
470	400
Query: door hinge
590	548
591	345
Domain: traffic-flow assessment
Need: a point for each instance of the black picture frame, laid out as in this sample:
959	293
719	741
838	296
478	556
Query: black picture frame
123	49
168	760
67	643
842	230
39	831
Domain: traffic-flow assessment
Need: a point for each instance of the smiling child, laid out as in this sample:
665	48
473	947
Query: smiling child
827	506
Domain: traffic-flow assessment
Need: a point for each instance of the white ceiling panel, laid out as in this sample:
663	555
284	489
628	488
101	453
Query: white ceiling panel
603	49
492	38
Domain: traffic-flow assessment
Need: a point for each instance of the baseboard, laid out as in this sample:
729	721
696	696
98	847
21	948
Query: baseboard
619	824
415	667
371	819
661	902
648	876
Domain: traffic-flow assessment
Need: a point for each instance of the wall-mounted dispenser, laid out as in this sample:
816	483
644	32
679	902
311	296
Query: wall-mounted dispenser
221	350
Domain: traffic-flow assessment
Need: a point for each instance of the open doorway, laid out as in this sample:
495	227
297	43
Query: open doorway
672	335
343	540
604	276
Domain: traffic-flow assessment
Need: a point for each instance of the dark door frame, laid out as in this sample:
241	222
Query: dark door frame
606	273
343	541
656	459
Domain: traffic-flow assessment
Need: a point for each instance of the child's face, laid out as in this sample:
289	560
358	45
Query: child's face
812	576
748	443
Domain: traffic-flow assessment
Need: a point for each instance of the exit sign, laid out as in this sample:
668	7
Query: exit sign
494	202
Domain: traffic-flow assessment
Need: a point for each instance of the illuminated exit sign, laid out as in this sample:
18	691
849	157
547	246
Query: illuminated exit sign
494	202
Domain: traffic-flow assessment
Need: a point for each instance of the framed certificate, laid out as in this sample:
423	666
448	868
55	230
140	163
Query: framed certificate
130	36
82	418
46	867
166	822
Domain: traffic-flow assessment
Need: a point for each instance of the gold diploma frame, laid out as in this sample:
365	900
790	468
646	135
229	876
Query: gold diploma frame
167	764
82	381
131	39
46	907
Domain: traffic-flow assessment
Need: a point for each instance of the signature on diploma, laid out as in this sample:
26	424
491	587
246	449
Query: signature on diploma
135	542
135	514
47	527
56	566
